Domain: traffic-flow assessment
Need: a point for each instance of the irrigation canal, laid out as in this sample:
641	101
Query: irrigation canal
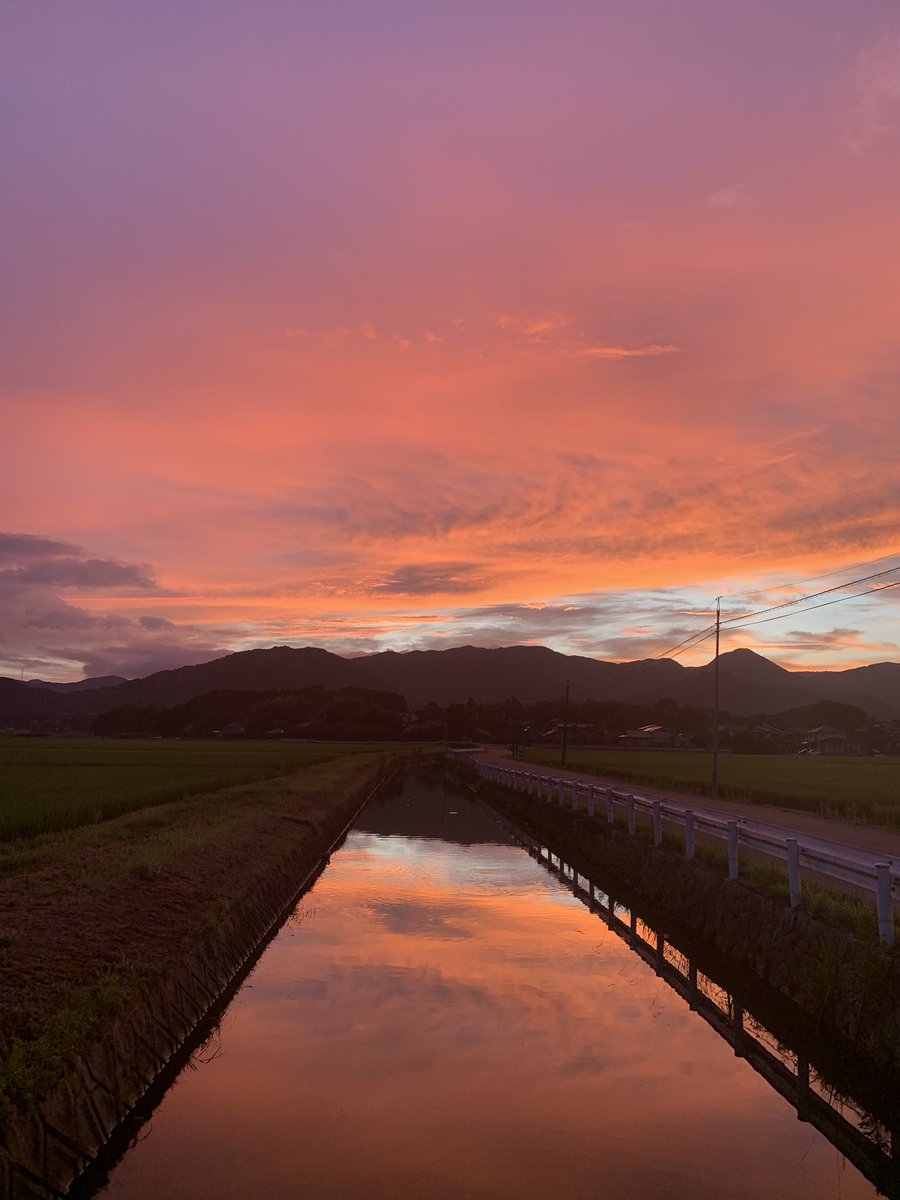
443	1016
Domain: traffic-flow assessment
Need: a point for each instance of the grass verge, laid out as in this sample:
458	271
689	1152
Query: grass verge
862	790
93	919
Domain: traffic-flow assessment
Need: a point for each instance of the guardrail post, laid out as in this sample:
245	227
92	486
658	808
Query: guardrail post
688	833
733	863
631	817
549	789
609	806
562	792
591	800
885	903
575	796
794	886
657	823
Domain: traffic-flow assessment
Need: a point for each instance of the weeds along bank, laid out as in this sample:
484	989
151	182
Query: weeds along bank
117	937
843	987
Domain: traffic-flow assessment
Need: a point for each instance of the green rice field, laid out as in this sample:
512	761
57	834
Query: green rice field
864	790
51	784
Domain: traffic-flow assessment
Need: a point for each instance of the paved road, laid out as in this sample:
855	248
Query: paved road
866	844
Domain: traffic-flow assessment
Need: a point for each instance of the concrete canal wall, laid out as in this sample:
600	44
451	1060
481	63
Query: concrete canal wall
846	988
44	1150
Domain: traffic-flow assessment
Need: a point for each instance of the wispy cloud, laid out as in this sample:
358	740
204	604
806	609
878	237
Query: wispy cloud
612	352
558	333
875	109
535	328
727	197
551	333
434	579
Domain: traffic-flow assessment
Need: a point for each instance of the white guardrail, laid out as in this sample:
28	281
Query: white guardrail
844	863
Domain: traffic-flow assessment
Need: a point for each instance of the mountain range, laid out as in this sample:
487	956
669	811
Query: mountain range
748	682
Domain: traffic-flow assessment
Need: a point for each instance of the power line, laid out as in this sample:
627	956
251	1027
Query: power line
814	595
694	639
813	578
825	603
776	612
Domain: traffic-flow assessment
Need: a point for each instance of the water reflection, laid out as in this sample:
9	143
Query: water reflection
443	1018
870	1142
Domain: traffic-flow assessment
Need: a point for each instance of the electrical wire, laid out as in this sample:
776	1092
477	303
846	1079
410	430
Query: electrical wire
813	595
813	578
776	612
811	608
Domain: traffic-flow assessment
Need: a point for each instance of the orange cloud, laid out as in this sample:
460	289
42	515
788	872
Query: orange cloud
614	352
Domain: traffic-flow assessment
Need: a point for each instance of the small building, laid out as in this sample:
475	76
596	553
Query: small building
575	732
825	739
647	736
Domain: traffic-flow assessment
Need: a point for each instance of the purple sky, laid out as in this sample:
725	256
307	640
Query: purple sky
390	325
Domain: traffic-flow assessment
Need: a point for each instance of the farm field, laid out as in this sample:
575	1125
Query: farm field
52	784
95	913
862	790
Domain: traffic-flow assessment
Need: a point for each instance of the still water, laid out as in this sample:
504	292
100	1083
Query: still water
441	1018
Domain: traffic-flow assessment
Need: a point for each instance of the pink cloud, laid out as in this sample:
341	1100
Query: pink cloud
615	352
528	326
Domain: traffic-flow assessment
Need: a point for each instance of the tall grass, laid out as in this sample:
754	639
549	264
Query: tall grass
51	784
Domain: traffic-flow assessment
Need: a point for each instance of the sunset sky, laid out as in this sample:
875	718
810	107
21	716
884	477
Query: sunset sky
403	325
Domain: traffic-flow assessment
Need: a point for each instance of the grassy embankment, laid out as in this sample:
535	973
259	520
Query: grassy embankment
119	859
864	790
845	988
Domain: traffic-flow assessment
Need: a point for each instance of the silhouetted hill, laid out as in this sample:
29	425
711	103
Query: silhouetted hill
248	670
527	672
82	685
452	676
18	699
875	688
748	683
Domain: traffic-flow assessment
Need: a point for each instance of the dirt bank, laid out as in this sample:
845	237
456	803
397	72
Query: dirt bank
116	939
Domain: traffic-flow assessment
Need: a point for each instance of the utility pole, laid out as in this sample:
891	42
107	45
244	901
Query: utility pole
565	741
715	762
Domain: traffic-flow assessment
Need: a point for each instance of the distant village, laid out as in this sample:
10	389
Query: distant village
824	728
745	737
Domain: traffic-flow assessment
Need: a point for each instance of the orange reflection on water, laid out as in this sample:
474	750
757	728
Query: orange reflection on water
446	1020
